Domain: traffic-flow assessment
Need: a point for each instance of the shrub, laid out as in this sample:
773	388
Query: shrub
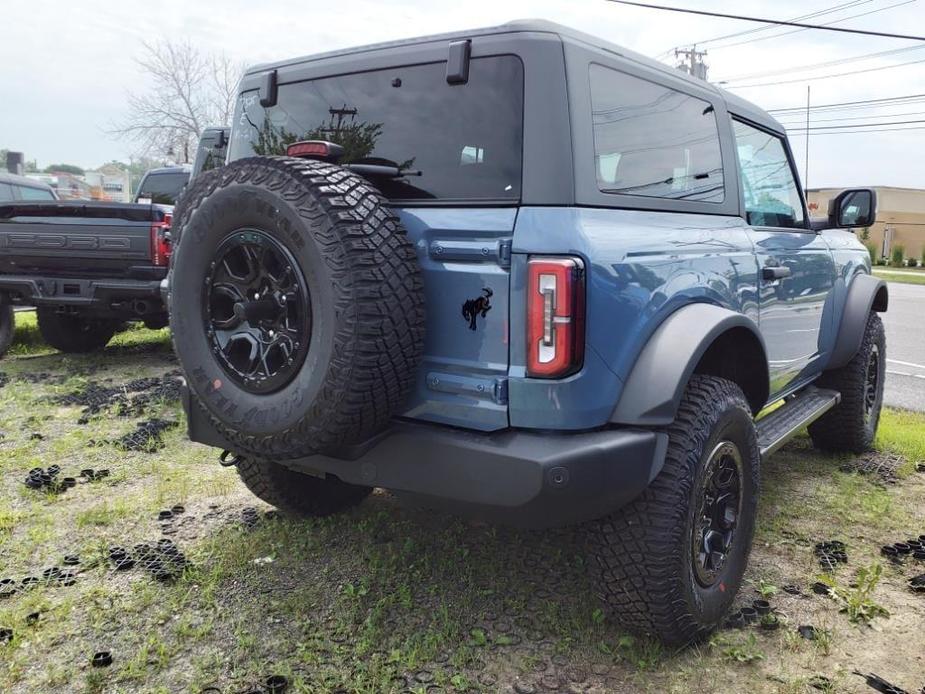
898	254
923	257
912	262
872	250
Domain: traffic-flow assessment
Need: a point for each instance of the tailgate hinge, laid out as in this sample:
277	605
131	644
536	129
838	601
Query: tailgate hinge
504	253
499	394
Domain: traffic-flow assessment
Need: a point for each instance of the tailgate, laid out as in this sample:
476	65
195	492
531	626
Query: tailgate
465	260
75	238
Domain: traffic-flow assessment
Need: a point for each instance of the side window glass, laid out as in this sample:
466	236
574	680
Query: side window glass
772	198
28	193
653	141
6	192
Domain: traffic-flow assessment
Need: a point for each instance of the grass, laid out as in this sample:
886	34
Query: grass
909	275
393	598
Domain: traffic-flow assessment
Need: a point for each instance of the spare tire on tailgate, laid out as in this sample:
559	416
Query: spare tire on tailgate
296	305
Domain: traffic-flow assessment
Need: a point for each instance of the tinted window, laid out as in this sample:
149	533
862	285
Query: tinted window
653	141
29	193
163	188
465	140
6	192
772	198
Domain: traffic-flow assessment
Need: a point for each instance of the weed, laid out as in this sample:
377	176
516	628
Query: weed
745	651
857	601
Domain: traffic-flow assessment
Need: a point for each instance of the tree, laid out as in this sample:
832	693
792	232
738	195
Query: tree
189	91
65	168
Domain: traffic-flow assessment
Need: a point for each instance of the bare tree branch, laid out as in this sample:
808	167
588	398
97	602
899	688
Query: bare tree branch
190	90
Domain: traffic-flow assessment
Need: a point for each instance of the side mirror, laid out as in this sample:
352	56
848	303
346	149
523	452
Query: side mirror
222	140
853	208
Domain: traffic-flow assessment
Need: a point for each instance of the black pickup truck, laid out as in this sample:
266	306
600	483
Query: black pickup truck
87	267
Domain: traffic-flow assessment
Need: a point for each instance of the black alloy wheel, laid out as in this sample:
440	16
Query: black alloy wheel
257	311
719	505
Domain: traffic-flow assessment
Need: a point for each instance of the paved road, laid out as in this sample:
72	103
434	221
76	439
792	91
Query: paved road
905	347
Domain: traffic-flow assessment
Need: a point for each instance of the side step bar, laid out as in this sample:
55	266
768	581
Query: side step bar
781	425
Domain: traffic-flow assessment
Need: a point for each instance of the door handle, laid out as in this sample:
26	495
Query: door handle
775	272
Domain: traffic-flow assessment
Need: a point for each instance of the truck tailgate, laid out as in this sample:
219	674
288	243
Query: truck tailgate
76	239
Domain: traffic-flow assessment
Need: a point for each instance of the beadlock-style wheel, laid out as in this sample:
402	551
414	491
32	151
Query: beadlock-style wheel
719	504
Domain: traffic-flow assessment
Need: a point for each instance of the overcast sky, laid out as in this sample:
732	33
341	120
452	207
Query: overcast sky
65	68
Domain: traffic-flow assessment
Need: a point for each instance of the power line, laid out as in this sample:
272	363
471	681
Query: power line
859	104
852	132
823	25
857	125
722	15
844	118
830	63
818	13
825	77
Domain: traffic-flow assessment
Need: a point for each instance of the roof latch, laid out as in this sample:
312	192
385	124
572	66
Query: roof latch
457	62
268	90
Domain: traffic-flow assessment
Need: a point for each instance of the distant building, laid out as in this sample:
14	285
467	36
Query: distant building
67	186
900	218
110	183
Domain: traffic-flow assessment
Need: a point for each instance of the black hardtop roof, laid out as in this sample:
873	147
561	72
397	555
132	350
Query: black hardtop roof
735	104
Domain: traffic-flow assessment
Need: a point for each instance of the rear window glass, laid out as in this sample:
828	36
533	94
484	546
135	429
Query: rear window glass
30	193
456	142
653	141
163	188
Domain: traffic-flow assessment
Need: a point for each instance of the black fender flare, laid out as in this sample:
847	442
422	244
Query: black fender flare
653	390
865	293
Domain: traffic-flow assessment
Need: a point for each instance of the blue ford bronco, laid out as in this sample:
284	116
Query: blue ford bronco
527	275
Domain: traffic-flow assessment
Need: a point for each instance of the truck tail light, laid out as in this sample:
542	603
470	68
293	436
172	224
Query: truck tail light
555	316
160	242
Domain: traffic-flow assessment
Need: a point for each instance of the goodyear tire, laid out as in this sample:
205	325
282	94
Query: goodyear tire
670	563
851	425
73	333
296	305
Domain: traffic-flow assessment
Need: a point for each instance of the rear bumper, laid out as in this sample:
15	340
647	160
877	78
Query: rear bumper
521	478
121	299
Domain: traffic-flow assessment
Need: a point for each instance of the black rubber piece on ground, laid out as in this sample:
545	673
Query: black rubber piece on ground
749	615
820	588
33	618
362	274
7	327
101	659
879	684
74	334
276	684
807	632
6	634
642	554
762	607
166	514
70	560
295	493
845	427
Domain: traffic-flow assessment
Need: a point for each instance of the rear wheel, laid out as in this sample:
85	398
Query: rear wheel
670	563
7	327
296	493
72	332
852	424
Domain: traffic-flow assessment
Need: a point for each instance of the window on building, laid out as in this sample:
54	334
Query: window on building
653	141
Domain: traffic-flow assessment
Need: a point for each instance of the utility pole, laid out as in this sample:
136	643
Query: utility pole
693	61
806	168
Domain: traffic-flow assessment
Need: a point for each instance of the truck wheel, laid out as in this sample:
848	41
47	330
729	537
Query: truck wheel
296	306
296	493
7	327
74	334
670	563
852	424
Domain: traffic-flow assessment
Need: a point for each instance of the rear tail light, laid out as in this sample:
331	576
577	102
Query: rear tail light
555	316
315	149
160	242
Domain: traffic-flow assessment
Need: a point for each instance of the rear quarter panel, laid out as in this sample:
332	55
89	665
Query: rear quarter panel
641	266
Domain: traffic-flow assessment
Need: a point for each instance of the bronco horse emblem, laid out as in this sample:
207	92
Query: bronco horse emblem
473	307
